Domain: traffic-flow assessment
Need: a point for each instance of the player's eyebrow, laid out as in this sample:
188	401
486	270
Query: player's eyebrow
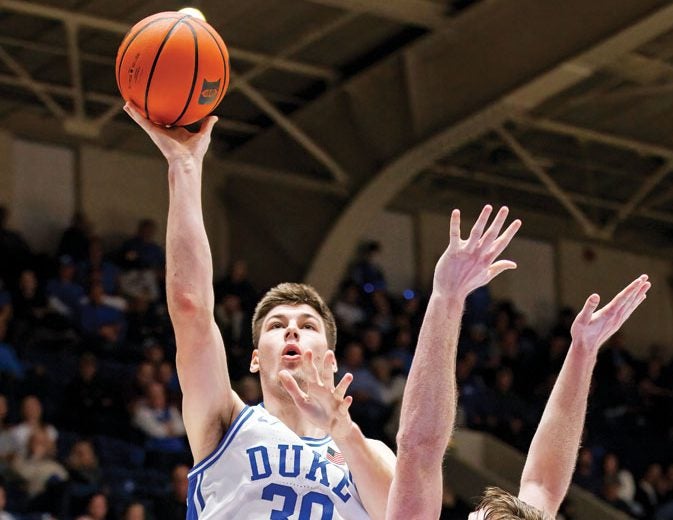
281	316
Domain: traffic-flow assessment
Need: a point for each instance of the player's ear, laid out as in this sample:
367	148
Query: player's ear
254	361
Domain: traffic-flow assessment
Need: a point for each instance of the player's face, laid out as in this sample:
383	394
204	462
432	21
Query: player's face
287	332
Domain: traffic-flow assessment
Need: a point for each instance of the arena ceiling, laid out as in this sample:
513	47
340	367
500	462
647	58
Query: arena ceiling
563	110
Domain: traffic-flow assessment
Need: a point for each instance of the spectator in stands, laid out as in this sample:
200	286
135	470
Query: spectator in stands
40	471
174	505
402	353
613	471
236	282
6	310
142	250
610	493
134	511
30	306
167	376
102	318
88	397
586	475
4	515
161	423
136	389
31	413
63	293
234	324
15	254
95	267
366	271
85	475
349	312
7	442
646	493
76	238
97	508
382	313
9	362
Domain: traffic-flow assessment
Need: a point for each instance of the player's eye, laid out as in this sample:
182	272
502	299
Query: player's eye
309	326
276	325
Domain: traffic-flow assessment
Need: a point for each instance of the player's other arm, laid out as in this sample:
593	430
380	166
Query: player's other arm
209	404
429	402
553	451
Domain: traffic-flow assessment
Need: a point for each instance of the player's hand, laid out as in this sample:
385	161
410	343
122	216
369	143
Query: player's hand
468	264
175	143
325	405
592	328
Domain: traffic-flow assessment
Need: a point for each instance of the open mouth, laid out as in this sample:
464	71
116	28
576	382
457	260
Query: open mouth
291	352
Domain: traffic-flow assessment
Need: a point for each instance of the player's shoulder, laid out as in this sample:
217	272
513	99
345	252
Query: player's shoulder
383	450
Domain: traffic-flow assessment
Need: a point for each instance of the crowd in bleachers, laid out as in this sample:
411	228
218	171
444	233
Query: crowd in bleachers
90	419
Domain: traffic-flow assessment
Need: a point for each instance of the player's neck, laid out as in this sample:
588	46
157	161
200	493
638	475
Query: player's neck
289	414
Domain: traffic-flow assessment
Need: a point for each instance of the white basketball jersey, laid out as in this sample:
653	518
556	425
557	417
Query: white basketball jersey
262	470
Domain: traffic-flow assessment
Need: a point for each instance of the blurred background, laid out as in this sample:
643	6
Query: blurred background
350	131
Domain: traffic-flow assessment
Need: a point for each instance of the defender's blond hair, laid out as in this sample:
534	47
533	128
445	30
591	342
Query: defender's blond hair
293	294
498	504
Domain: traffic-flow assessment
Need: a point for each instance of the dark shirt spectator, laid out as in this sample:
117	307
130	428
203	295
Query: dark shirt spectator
174	505
141	251
101	316
366	271
63	293
236	282
75	239
15	254
94	267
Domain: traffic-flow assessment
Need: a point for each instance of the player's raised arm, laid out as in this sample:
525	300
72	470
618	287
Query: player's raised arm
209	402
429	402
553	451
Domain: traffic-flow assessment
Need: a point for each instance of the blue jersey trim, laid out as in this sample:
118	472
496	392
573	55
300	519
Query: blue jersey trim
314	443
192	510
245	414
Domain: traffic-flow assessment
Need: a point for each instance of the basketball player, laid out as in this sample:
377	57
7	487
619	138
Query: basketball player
551	458
299	455
553	451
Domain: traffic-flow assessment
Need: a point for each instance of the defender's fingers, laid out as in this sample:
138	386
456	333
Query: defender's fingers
480	224
499	267
343	385
501	243
494	229
626	293
590	305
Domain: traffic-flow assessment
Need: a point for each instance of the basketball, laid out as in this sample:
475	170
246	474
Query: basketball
173	67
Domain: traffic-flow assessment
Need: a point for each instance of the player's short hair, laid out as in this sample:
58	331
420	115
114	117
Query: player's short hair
498	504
293	294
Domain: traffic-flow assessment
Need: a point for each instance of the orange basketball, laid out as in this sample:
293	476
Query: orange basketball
173	67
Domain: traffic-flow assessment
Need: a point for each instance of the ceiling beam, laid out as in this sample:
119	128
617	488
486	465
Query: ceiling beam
630	205
328	264
121	28
535	188
532	165
423	13
299	135
25	79
586	134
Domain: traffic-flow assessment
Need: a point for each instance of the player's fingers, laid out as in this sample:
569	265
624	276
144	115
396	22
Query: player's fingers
207	125
291	387
343	385
498	267
633	303
328	368
310	369
480	225
625	294
454	229
589	307
503	240
345	405
494	229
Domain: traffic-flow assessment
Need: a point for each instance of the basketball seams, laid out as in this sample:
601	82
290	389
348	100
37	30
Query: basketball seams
225	60
154	64
123	55
196	70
